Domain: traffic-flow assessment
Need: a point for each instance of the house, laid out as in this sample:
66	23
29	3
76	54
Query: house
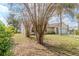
55	28
51	28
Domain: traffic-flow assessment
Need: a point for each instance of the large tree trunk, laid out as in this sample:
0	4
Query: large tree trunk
39	38
27	33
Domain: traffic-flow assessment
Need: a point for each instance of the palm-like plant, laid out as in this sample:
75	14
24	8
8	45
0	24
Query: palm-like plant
62	9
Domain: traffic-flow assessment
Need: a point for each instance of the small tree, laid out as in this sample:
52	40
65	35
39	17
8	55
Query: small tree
27	24
39	15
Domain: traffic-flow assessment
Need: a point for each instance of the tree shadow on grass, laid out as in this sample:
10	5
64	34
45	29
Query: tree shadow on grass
60	50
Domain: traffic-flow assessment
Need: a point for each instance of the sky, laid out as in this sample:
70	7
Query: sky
4	12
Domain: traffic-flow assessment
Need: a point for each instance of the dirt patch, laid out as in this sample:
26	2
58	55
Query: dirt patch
28	47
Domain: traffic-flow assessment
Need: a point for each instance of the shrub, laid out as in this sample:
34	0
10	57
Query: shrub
5	41
51	32
11	29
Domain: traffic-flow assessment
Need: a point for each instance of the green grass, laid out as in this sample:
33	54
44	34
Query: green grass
66	45
56	44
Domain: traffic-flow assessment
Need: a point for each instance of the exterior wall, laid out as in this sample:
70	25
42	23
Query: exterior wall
57	29
50	30
53	30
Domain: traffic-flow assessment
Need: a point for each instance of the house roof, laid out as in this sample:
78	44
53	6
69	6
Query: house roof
53	25
56	25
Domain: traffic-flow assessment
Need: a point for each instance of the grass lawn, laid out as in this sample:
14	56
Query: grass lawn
53	45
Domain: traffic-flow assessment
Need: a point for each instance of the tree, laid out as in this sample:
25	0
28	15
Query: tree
27	23
39	14
12	21
77	16
14	15
62	9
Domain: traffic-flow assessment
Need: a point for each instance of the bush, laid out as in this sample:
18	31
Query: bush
51	32
11	29
5	41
